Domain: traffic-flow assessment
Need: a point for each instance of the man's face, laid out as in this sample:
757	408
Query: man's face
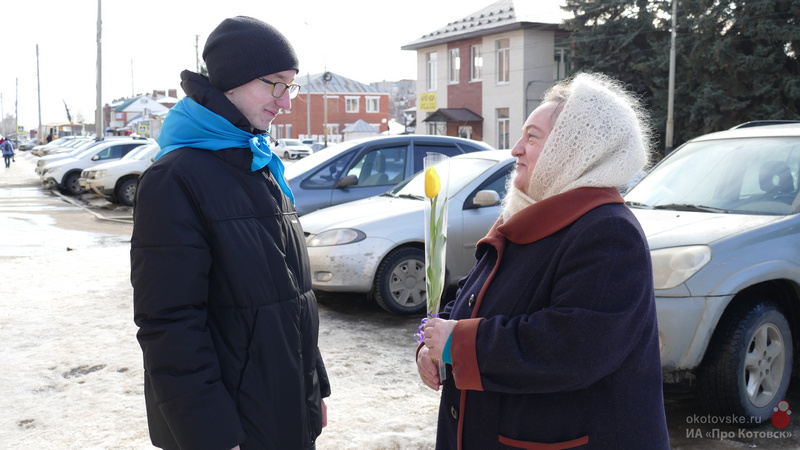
255	101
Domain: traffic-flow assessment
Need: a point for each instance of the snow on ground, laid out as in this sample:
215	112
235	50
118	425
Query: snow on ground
70	366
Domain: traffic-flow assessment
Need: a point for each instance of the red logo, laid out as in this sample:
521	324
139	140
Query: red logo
780	418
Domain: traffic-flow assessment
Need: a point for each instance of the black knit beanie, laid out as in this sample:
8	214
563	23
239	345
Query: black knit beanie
242	49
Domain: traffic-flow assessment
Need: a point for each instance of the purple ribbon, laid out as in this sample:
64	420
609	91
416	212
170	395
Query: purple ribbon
420	336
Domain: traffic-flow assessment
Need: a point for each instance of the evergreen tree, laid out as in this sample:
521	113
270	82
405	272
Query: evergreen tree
736	61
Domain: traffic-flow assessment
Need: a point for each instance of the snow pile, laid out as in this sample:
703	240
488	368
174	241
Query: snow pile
71	369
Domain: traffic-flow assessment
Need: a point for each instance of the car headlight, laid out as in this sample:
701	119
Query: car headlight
338	236
98	174
673	266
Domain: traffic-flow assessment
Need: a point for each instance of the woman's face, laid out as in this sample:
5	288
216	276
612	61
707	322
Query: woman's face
255	101
529	147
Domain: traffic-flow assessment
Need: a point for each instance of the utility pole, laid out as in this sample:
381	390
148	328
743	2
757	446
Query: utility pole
308	106
16	106
98	119
325	78
39	96
133	91
671	92
197	52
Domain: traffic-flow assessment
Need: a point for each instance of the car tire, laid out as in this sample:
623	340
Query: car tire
399	285
127	191
748	365
286	155
70	184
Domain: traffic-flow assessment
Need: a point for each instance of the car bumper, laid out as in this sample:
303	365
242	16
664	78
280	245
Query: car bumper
99	189
685	326
346	268
49	183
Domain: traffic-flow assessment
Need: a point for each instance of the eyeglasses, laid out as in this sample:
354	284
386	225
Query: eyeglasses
279	88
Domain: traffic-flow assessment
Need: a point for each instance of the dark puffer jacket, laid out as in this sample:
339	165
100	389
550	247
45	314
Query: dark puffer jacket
222	296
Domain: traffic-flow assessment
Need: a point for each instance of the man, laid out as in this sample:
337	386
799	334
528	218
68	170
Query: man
227	319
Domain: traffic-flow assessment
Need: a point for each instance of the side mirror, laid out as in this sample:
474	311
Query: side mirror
96	158
347	181
486	198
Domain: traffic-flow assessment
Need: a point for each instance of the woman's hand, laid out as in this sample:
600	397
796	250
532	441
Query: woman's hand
436	333
428	371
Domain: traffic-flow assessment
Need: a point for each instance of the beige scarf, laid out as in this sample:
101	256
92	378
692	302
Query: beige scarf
600	139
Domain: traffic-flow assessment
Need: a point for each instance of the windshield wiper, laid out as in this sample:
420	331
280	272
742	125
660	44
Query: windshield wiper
638	205
690	207
412	196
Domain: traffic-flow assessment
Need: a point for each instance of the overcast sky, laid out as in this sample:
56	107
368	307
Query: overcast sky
146	44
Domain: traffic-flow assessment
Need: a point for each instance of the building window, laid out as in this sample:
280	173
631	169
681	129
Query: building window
465	132
373	104
437	128
503	124
562	64
476	62
431	71
453	66
351	104
503	67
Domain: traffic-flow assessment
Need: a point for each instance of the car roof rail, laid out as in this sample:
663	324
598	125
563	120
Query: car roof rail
761	123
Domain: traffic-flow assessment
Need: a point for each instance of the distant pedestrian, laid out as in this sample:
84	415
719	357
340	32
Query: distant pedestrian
8	151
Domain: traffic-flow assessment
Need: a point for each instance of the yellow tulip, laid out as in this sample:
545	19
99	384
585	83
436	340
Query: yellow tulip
432	183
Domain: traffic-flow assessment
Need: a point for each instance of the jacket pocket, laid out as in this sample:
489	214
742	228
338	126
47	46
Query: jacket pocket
513	443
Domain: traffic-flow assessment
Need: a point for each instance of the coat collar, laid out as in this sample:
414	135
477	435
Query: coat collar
550	215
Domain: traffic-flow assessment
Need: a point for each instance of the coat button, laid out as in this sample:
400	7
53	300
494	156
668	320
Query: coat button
472	300
454	412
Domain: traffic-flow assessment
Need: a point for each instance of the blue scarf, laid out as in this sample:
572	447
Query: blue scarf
189	124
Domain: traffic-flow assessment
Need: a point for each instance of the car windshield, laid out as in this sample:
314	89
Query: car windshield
741	176
292	143
462	171
142	152
317	159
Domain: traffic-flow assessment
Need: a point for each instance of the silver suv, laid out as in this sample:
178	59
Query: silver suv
720	214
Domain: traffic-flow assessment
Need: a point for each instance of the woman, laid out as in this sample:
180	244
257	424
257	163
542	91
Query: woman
552	337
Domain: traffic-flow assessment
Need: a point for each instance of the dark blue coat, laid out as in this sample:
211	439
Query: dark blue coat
557	340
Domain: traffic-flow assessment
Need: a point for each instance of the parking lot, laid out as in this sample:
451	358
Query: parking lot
72	369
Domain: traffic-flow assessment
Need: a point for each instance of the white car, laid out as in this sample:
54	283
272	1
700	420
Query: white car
117	180
65	173
376	245
292	148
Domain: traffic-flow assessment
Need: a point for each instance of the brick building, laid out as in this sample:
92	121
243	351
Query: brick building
348	101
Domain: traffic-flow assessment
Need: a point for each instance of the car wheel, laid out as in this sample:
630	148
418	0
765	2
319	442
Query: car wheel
748	365
399	285
71	184
285	155
127	191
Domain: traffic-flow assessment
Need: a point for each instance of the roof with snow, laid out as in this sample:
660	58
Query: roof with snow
359	126
501	16
336	85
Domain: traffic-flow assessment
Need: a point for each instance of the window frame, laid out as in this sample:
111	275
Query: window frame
453	66
503	47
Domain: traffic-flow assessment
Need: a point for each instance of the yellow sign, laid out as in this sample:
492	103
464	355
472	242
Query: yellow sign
20	129
142	129
427	101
